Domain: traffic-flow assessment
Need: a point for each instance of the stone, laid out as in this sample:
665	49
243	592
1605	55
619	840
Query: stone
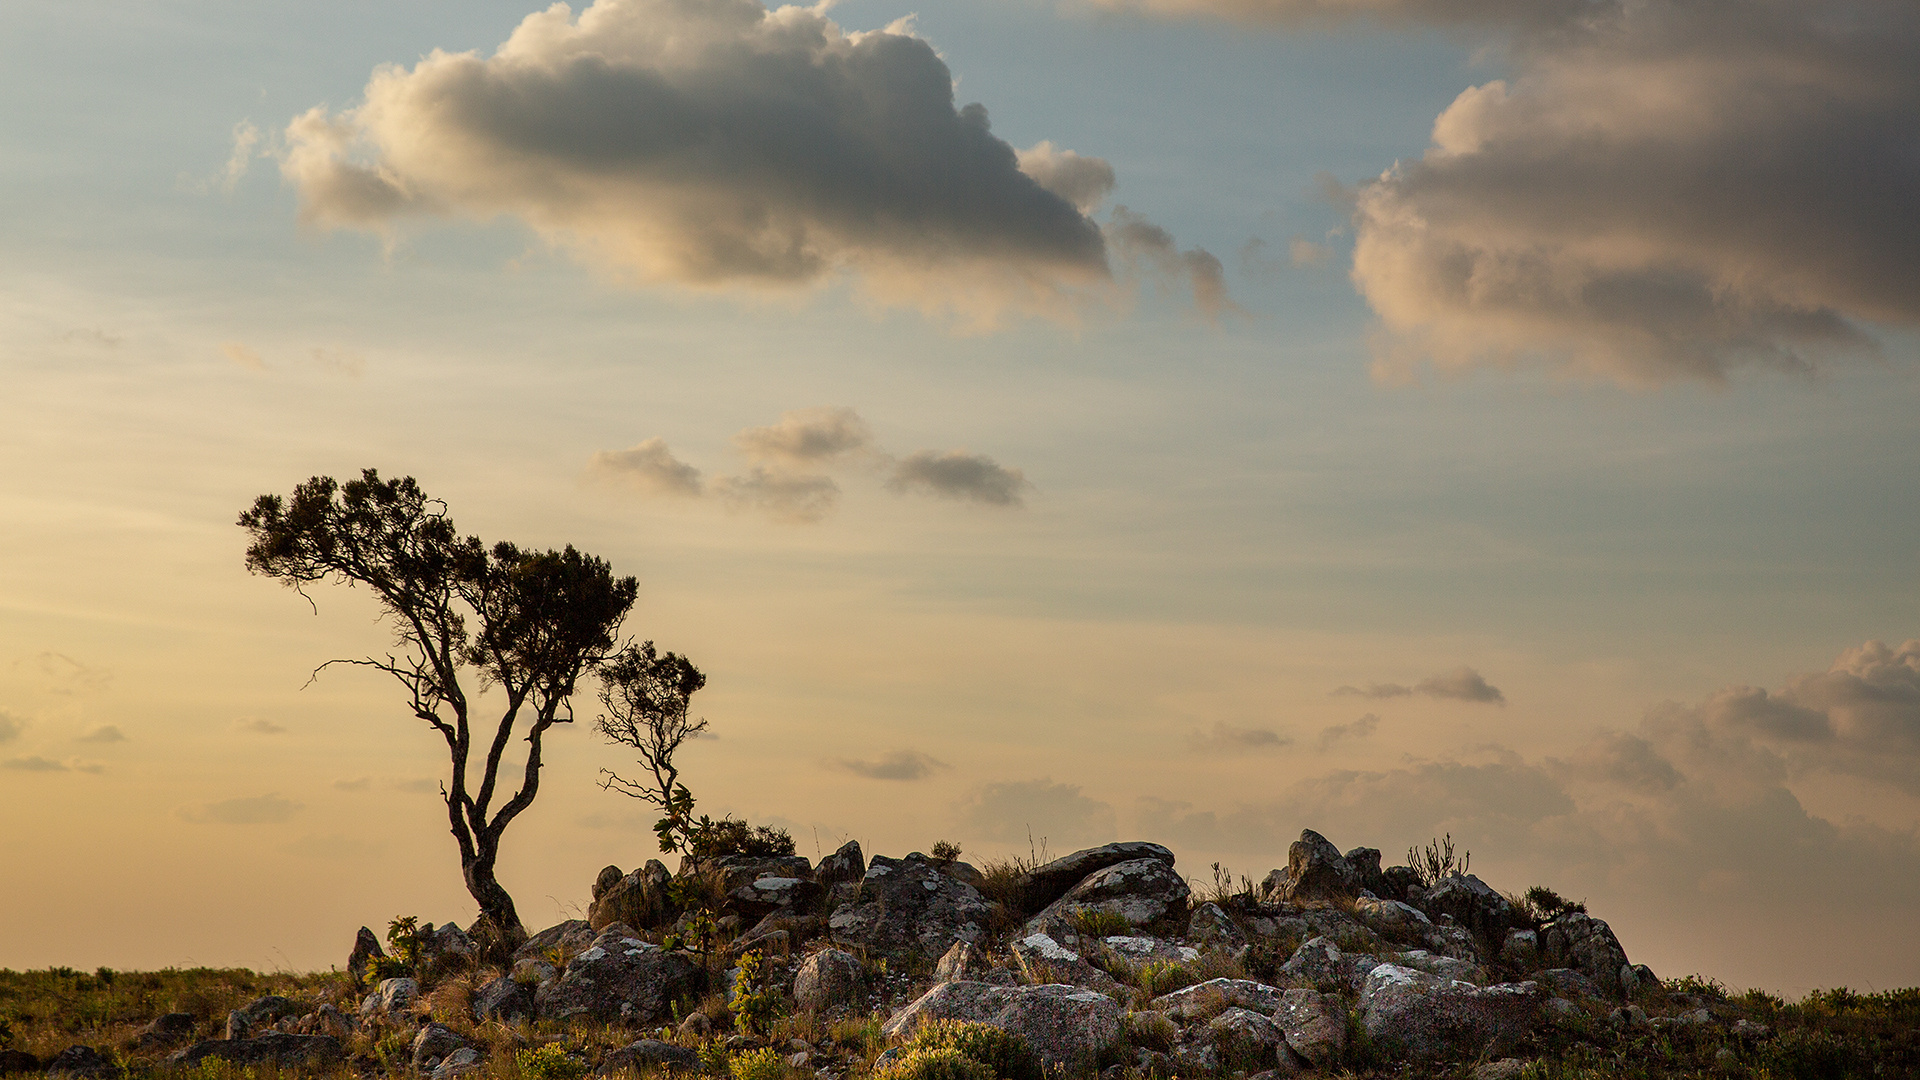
1043	885
505	999
1521	950
391	999
1411	1014
1068	1027
652	1053
1044	960
1628	1017
1568	983
607	878
1319	964
908	907
1314	1025
1144	892
1245	1040
696	1027
567	938
164	1033
272	1048
325	1020
1143	950
726	873
366	949
765	895
1396	881
1447	967
1210	997
636	899
533	971
82	1061
620	979
1454	941
1503	1069
846	864
1273	887
1317	871
1587	945
1391	918
831	981
17	1061
1473	904
258	1013
1366	862
962	961
434	1042
1751	1030
1212	926
1635	978
464	1060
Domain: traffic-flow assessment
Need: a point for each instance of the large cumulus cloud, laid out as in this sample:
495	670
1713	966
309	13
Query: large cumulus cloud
715	142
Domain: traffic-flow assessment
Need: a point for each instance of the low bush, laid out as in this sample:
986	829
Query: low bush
934	1064
1005	1053
549	1062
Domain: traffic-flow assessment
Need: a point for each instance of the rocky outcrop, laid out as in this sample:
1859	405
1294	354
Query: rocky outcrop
391	999
272	1048
1245	1041
908	906
1315	1026
1587	945
1210	925
1212	996
1472	904
637	899
434	1043
846	864
565	938
504	999
1317	871
650	1054
1045	884
829	981
1045	960
1420	1017
1143	892
1068	1027
366	949
620	979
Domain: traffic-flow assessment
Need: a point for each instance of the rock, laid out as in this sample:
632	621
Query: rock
1317	871
830	981
697	1026
1210	925
846	864
366	948
1366	862
607	878
1273	887
1414	1015
650	1053
1196	1056
435	1042
464	1060
1069	1028
446	951
1447	967
620	979
1317	965
506	999
1628	1017
1314	1025
1141	950
1568	983
1245	1040
636	899
567	938
1751	1030
533	971
1521	950
1144	892
1044	960
82	1061
1562	1011
1396	881
257	1013
963	961
1043	885
1635	978
906	907
1587	945
391	999
1214	995
325	1020
1474	905
17	1061
164	1033
272	1048
729	872
1392	918
1503	1069
1454	941
765	895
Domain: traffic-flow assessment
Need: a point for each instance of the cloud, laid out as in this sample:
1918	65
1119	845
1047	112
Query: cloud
806	437
785	497
957	474
258	725
1391	12
1663	191
1461	684
1140	242
898	765
243	355
245	138
426	785
1305	252
33	764
250	810
714	144
1083	181
355	783
10	726
1227	739
1358	729
649	468
105	733
1055	813
58	673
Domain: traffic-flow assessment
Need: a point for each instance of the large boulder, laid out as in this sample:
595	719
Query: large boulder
272	1048
164	1033
1587	945
908	906
637	899
1212	996
434	1042
391	1000
829	981
1142	892
565	938
1317	871
1315	1026
1044	960
1412	1015
82	1063
1366	862
366	949
772	894
1068	1027
1391	918
1475	905
504	999
1321	965
1245	1041
638	1056
725	873
620	979
1211	925
1045	884
846	864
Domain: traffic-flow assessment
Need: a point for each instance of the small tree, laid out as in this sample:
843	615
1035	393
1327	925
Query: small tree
646	697
528	623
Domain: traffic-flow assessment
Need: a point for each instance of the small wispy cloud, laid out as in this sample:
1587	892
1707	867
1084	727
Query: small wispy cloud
1461	684
258	725
1226	738
244	355
1338	733
957	474
806	437
898	765
105	733
270	809
10	726
801	498
649	468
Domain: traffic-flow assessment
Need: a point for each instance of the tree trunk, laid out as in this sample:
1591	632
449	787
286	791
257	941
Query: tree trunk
499	931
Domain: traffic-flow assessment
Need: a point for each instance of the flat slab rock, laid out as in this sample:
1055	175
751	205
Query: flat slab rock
1412	1014
271	1048
1045	884
908	906
1067	1026
1207	997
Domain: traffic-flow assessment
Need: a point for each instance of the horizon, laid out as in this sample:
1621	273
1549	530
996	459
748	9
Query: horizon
1380	417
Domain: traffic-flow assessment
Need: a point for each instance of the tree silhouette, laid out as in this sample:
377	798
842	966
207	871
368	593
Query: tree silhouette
529	623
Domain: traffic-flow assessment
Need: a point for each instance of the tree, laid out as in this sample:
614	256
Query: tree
647	696
529	623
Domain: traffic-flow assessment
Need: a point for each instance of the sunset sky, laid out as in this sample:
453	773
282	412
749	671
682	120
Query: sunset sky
1389	417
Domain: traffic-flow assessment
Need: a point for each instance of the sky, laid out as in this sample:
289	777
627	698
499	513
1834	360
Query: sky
1045	422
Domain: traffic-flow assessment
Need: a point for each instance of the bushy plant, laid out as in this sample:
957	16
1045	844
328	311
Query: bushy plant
934	1064
1546	905
1006	1054
762	1064
755	1000
945	851
1437	861
407	943
710	839
549	1062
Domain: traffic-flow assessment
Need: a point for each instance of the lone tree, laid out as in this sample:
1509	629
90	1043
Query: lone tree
529	623
646	696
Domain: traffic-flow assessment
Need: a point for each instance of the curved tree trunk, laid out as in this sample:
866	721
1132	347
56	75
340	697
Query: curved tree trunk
499	929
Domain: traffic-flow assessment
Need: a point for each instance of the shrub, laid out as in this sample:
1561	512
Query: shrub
1006	1054
549	1062
755	1001
931	1064
1546	905
1437	861
762	1064
710	839
945	851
